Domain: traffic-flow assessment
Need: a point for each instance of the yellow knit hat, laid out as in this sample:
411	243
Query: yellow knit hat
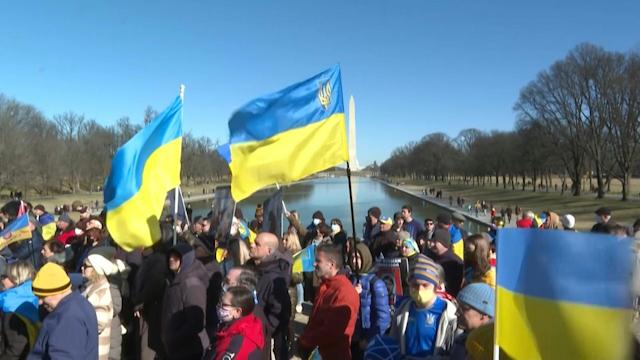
50	280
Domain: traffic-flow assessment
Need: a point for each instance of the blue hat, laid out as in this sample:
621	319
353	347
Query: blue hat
479	296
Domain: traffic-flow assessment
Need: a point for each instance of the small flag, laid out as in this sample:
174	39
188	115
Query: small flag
563	295
272	216
15	231
303	260
222	212
288	135
48	226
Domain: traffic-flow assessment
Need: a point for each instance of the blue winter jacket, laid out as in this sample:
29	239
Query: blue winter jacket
69	332
375	316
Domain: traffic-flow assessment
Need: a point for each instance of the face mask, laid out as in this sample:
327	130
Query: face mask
224	315
335	228
422	297
316	222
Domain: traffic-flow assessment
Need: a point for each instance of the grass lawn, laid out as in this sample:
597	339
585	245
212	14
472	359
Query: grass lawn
582	207
50	202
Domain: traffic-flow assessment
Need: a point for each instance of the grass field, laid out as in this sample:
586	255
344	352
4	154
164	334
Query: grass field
50	202
582	207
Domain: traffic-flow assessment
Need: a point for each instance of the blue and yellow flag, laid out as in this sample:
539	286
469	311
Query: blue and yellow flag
303	260
288	135
15	231
142	172
48	226
563	295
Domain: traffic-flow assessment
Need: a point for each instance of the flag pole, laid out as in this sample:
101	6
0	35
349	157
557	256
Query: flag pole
352	247
175	191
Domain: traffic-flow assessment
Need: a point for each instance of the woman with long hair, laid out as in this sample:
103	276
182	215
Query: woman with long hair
236	254
291	243
477	260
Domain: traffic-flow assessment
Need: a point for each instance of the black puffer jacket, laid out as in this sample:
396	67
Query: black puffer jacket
184	307
274	276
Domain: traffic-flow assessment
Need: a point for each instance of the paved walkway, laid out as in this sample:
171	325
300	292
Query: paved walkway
416	191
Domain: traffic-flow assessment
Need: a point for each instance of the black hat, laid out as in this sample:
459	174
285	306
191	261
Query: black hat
603	211
444	218
443	237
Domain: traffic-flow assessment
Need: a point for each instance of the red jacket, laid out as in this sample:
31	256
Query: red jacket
333	319
524	223
242	340
66	237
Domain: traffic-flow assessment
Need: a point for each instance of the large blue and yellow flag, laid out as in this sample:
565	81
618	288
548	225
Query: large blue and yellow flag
288	135
15	231
303	260
563	295
142	172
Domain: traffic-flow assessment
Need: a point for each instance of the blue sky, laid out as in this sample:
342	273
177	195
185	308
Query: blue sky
414	67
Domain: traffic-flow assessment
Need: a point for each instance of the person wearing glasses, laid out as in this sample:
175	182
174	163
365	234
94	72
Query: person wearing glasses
240	335
70	331
97	291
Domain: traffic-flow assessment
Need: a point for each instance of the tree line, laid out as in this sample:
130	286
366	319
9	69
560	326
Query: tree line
578	119
70	153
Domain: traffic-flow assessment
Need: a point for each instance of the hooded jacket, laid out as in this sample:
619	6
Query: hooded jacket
184	307
274	274
374	315
242	339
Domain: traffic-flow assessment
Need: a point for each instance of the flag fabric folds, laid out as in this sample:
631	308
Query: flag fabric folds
17	230
142	172
563	295
303	260
288	135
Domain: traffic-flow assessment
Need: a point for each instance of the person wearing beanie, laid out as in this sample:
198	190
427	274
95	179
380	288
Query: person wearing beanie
477	308
373	318
104	259
568	222
184	307
440	251
70	331
424	324
603	217
371	225
97	290
409	250
316	220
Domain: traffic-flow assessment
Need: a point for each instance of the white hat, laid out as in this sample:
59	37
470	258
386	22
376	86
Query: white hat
568	221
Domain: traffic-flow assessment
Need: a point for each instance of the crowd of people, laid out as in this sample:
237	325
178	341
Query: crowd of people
79	296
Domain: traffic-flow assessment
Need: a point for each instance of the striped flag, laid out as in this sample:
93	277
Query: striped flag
563	295
17	230
303	260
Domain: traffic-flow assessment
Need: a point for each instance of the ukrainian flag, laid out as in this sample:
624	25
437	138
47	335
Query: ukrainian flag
48	226
563	295
303	260
17	230
288	135
142	172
